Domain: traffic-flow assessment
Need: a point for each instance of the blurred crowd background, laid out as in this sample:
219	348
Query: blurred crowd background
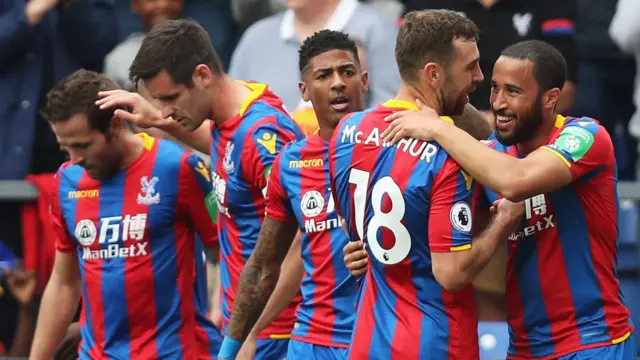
42	41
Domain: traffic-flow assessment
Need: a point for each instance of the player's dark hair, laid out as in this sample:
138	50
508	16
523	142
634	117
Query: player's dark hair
77	94
549	66
427	36
177	46
324	41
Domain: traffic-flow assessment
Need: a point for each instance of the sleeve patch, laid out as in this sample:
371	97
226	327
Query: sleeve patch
575	141
460	216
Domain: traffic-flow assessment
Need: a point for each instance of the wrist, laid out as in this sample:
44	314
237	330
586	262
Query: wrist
229	348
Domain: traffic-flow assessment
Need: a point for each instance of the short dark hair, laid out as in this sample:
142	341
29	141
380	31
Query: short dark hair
427	36
77	94
324	41
177	46
549	66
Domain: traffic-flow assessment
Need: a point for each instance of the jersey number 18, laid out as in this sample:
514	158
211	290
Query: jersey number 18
391	220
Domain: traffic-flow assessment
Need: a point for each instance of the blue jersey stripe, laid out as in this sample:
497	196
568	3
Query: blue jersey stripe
579	266
117	338
164	250
535	312
70	178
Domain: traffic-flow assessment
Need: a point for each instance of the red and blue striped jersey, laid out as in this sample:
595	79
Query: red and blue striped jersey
242	152
562	291
406	202
134	237
299	191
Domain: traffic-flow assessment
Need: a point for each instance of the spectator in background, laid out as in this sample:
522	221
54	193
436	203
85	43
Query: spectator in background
606	79
151	13
267	51
17	290
213	15
41	41
625	31
506	22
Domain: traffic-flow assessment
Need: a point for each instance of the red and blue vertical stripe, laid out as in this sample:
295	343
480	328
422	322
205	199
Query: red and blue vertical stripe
135	307
403	312
242	152
326	314
563	294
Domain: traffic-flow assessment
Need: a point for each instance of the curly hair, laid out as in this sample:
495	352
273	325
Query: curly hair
77	94
322	42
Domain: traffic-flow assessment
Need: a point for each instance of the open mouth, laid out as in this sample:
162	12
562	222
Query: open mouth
339	103
503	121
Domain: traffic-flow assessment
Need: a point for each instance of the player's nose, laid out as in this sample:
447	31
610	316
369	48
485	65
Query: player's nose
76	157
337	82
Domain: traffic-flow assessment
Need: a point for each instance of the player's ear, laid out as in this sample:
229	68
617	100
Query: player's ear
304	91
116	125
432	74
365	82
202	75
550	98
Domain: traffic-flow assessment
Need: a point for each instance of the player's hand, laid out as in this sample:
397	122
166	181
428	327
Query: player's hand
22	284
140	112
355	257
411	123
248	349
68	349
508	213
216	317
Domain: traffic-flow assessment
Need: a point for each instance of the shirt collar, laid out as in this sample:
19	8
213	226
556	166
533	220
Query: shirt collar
337	22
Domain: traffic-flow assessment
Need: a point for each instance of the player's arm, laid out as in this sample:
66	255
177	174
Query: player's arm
199	139
133	107
473	122
197	200
262	146
63	288
286	289
456	258
260	274
578	150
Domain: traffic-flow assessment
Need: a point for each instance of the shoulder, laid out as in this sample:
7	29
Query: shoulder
170	155
68	172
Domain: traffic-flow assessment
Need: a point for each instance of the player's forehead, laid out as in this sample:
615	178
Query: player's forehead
465	52
77	126
161	85
511	71
332	59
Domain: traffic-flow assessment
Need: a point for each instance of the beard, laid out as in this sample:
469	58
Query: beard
526	125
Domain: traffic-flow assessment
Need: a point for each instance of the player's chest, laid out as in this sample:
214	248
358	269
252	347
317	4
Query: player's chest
539	218
117	222
312	202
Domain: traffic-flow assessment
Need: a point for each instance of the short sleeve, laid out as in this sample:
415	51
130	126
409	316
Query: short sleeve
196	198
450	216
64	241
260	150
584	146
278	203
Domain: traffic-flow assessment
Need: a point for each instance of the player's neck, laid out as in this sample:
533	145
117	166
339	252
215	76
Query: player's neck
131	146
410	94
313	18
230	96
541	137
325	132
